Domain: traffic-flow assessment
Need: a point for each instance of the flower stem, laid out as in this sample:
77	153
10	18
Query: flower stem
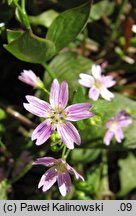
23	14
49	70
63	153
67	153
45	90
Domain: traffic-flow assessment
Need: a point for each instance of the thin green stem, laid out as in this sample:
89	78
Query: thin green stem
67	153
23	14
23	5
63	152
49	71
45	90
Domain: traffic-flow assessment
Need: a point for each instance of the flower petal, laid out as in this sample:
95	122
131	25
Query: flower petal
59	94
64	183
37	106
96	71
61	184
86	80
108	136
94	93
108	81
65	137
48	179
54	93
28	77
46	161
119	134
72	132
123	118
63	95
78	112
74	172
106	94
42	132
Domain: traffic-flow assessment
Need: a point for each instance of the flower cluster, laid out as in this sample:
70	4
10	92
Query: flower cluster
58	117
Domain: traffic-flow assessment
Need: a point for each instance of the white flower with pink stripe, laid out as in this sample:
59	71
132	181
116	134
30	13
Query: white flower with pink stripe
97	83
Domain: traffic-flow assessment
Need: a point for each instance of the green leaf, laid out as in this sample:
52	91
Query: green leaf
68	25
127	174
102	8
30	48
44	19
13	35
67	66
84	156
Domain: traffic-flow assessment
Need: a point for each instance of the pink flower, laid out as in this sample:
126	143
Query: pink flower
115	124
29	77
57	115
59	171
97	83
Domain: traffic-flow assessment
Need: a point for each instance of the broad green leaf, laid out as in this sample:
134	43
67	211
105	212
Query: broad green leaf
68	25
127	174
30	48
45	19
67	66
84	156
13	35
102	8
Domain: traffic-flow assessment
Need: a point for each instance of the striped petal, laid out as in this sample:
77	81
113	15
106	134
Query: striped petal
37	106
64	183
54	93
63	95
71	170
48	179
42	132
65	137
59	94
78	112
46	161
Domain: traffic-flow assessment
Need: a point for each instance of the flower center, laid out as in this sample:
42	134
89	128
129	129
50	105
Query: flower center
60	167
57	115
97	84
113	126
